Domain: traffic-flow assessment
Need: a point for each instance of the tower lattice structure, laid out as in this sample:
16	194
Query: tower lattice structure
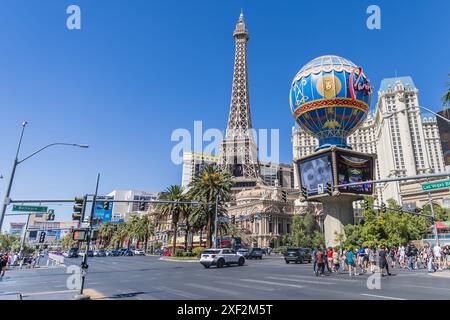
239	151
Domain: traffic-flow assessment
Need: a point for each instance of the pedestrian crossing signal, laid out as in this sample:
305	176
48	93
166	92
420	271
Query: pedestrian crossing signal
366	205
284	196
383	207
141	206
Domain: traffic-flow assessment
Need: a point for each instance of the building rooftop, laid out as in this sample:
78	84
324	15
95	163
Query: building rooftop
389	83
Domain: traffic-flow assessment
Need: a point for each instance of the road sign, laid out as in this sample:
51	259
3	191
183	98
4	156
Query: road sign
436	185
29	208
320	188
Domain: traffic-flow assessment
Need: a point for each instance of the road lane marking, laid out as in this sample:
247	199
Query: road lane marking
273	283
232	293
298	280
382	297
180	293
47	292
244	286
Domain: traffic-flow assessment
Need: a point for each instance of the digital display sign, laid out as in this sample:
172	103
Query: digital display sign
314	172
354	168
100	214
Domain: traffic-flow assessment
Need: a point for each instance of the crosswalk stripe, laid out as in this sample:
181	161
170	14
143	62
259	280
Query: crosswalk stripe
180	293
382	297
273	283
298	280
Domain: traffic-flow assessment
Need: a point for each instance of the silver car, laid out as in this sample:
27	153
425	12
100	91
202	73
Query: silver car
221	257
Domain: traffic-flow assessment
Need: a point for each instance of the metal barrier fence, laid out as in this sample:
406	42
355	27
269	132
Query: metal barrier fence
55	260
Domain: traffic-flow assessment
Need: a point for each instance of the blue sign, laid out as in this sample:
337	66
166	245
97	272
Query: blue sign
58	234
102	211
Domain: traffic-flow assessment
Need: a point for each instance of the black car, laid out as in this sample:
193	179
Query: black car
115	253
255	253
72	253
297	255
90	253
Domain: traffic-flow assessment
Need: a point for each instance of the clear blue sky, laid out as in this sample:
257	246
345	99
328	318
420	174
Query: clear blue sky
139	69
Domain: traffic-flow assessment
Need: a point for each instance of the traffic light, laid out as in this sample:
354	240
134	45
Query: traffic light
305	192
80	234
51	215
366	205
270	218
106	205
252	219
329	189
233	219
79	208
42	237
284	196
141	206
383	207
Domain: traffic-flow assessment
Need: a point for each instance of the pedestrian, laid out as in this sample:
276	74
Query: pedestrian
429	258
360	261
437	256
3	264
335	258
320	257
330	259
350	261
313	257
409	257
392	257
372	259
402	256
447	256
382	260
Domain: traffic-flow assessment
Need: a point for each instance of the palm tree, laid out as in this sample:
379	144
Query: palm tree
210	185
173	211
120	234
446	97
106	232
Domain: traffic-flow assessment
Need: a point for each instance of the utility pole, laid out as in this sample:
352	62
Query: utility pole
84	265
22	242
215	222
433	217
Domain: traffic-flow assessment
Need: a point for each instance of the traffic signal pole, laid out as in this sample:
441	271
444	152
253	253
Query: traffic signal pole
84	265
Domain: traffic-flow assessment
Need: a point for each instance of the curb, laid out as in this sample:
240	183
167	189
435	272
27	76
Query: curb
179	260
441	274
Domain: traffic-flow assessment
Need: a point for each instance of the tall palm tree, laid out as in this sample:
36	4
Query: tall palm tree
205	187
446	97
106	232
120	234
173	211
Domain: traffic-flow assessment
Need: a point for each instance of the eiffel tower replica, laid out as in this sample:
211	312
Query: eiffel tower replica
238	154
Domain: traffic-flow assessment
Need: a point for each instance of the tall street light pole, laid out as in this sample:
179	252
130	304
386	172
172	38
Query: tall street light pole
17	162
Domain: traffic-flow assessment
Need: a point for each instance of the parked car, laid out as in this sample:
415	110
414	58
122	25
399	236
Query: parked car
101	253
297	255
90	253
138	252
115	253
243	252
221	257
255	253
159	251
128	253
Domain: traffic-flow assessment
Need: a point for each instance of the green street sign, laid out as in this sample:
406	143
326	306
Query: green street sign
436	185
29	208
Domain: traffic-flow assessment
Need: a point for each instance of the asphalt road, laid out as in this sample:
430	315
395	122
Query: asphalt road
149	277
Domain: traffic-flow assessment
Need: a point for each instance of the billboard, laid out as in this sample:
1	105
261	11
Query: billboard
100	214
315	172
444	133
354	168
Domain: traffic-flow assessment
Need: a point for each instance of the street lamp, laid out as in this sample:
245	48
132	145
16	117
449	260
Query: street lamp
17	161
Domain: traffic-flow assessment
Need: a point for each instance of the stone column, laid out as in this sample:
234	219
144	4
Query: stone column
338	212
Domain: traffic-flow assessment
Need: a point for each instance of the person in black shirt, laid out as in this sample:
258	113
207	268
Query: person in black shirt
382	260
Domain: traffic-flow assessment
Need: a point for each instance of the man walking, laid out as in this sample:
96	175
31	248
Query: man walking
382	260
320	258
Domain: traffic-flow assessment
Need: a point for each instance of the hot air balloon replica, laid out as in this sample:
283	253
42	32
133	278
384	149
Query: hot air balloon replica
329	99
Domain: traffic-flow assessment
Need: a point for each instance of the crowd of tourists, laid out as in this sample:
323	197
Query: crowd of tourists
9	260
362	259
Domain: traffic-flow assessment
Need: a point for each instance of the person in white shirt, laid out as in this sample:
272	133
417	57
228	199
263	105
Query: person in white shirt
402	256
437	255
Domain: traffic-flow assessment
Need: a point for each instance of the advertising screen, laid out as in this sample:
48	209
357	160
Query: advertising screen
100	214
351	168
315	173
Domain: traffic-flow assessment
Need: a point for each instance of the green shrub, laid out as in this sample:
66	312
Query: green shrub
179	252
281	249
197	251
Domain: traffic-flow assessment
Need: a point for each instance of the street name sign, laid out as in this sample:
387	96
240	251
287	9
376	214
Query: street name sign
436	185
29	208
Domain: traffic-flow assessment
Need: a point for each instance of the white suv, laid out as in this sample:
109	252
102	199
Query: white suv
221	257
